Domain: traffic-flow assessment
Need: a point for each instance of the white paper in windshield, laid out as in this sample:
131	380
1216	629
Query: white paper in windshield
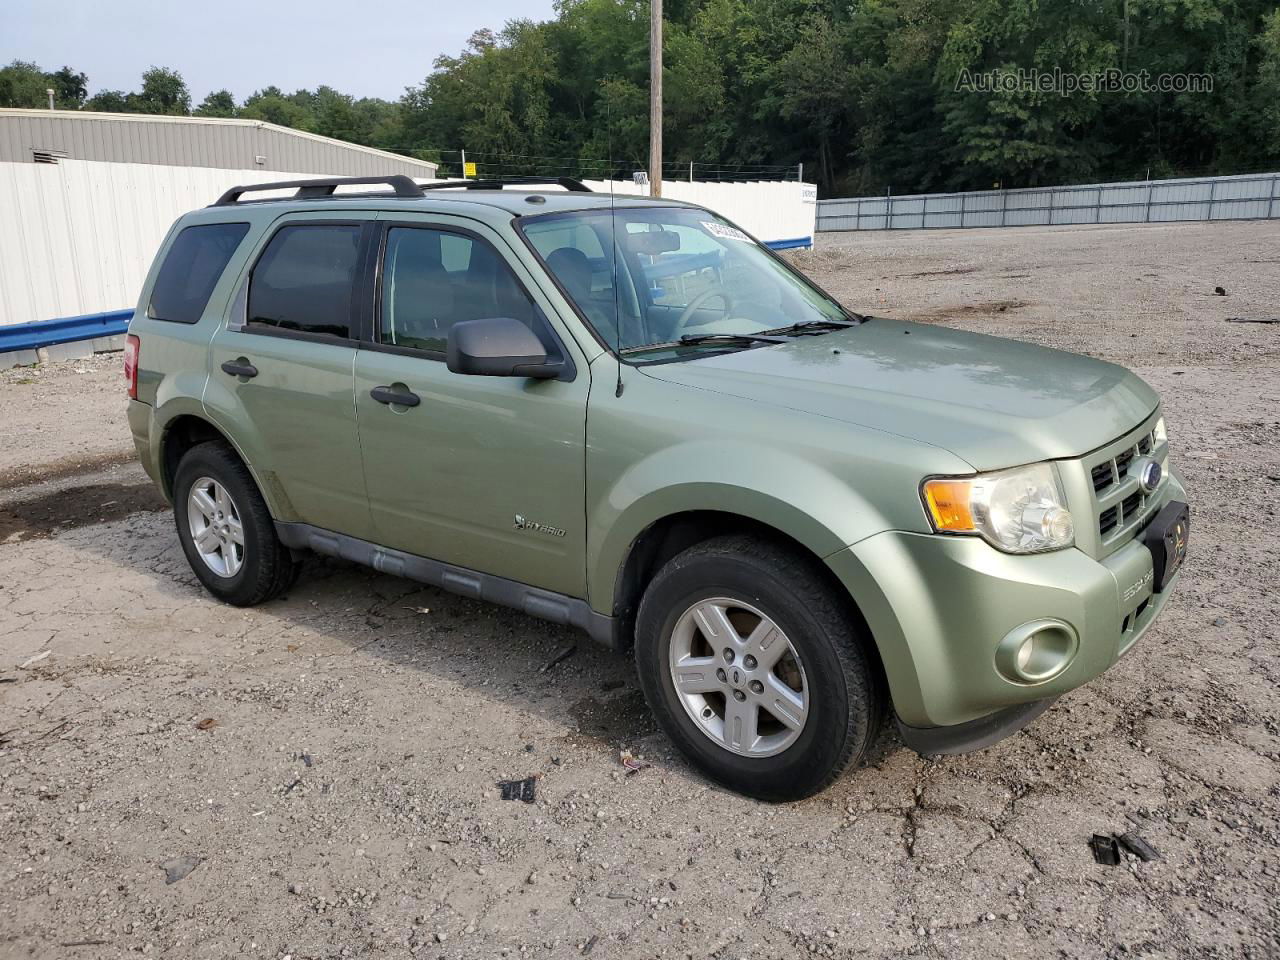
724	232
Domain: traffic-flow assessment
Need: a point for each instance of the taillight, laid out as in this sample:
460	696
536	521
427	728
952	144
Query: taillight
131	365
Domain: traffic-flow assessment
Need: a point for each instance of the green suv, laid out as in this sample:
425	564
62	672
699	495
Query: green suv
628	415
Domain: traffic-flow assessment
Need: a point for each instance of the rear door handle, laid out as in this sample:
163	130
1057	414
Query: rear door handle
389	395
240	368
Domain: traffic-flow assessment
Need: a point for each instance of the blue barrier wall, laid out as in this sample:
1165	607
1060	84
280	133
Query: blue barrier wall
789	244
47	333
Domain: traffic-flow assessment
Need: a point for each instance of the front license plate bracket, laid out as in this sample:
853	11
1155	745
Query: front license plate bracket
1166	538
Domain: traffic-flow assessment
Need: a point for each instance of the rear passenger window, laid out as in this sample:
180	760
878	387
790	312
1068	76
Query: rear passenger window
191	270
303	281
432	279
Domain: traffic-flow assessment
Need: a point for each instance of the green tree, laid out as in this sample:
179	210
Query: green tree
271	105
23	84
163	91
1266	96
864	92
109	101
219	103
336	116
71	88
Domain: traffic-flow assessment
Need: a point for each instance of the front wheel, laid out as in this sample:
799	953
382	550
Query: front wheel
756	668
226	529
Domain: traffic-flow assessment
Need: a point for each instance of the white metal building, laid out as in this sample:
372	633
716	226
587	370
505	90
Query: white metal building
50	136
86	198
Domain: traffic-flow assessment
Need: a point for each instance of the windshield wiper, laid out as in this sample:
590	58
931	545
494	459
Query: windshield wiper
763	337
812	326
694	339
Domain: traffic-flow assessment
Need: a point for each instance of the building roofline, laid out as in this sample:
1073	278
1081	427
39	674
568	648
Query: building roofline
95	115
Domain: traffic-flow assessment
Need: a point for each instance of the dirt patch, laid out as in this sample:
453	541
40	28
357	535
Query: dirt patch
60	469
623	717
57	415
953	272
344	800
69	508
959	311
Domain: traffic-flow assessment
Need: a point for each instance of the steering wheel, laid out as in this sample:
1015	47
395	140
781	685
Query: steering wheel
683	321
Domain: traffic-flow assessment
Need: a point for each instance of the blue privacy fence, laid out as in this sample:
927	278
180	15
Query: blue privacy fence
47	333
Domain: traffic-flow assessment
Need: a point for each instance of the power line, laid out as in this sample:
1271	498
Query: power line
616	161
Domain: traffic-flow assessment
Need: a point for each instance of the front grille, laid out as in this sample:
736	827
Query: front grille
1130	504
1122	463
1108	520
1120	503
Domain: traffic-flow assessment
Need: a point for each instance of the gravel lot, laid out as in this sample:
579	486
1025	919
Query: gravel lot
328	761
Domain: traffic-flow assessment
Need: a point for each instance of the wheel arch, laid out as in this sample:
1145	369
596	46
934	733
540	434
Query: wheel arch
187	430
674	533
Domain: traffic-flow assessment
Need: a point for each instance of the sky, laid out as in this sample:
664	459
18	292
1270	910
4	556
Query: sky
245	45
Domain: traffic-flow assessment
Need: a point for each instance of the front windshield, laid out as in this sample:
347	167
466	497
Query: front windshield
681	274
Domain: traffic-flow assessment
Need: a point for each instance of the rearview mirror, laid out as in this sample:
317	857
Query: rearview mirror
654	242
498	347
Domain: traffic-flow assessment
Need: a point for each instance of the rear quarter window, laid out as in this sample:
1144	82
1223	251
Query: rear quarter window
191	270
304	279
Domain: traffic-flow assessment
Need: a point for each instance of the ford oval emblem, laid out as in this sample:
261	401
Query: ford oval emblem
1149	477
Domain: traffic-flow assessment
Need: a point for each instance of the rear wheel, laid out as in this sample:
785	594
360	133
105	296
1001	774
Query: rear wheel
756	668
226	529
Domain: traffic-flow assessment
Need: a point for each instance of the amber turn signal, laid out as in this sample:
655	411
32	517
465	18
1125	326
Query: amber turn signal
948	502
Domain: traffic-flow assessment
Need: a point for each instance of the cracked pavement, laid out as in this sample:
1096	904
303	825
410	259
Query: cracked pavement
329	761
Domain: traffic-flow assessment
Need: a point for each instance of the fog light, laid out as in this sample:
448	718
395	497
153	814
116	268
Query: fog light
1036	651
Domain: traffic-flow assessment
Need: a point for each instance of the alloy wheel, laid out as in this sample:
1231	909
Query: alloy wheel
738	677
215	526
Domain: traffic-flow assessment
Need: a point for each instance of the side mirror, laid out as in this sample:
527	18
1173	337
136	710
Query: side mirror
498	347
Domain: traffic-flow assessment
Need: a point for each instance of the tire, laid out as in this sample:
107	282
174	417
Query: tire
242	570
835	693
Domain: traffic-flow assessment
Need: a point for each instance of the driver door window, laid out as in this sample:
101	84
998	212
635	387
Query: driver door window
433	279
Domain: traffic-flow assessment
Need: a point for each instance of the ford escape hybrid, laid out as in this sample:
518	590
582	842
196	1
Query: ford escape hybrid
627	415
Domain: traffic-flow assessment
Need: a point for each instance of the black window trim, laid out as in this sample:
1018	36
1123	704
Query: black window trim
359	285
379	251
248	228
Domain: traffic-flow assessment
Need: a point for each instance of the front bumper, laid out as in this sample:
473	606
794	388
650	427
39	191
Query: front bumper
975	734
939	607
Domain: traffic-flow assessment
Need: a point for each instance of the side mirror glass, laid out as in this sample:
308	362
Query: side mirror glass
498	347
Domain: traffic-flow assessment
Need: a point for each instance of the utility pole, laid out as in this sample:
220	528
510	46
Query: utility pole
655	98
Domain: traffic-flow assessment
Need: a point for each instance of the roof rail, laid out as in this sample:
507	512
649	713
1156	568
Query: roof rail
311	189
569	183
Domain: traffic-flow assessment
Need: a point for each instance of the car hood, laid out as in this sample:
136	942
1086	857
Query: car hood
992	402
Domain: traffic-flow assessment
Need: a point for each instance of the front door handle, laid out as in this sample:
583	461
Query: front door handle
240	368
400	397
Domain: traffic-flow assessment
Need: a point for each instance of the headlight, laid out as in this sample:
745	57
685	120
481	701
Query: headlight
1161	434
1022	510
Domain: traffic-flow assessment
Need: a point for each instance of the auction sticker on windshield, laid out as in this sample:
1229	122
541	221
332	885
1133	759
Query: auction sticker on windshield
724	232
